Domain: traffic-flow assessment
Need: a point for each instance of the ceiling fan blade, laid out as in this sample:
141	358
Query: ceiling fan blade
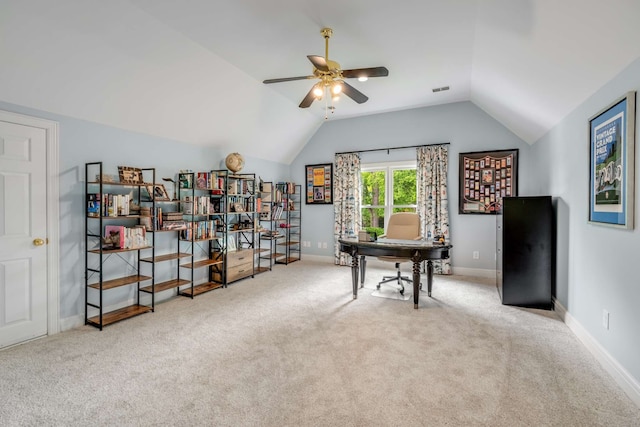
287	79
308	100
354	93
319	62
365	72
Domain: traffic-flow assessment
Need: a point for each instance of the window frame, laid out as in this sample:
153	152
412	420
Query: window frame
388	168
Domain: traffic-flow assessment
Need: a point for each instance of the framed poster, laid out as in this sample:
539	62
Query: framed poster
611	163
130	175
319	184
157	191
485	178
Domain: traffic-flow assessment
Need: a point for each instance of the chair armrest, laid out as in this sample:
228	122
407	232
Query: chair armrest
417	238
382	236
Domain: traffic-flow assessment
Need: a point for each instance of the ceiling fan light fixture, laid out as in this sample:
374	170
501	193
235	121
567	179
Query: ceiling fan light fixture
331	77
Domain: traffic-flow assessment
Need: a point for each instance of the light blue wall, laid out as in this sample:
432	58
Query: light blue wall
596	266
80	142
466	127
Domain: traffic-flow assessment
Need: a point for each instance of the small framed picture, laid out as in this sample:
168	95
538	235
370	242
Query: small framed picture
157	192
488	168
237	207
319	184
129	175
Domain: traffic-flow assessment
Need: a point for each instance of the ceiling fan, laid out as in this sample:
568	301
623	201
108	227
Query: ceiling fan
332	77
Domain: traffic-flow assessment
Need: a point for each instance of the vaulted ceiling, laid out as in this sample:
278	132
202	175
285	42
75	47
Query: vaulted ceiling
193	70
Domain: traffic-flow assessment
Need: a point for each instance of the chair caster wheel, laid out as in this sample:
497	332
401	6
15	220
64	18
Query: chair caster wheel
402	292
378	287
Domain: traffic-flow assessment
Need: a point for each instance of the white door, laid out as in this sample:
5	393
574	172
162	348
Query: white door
23	233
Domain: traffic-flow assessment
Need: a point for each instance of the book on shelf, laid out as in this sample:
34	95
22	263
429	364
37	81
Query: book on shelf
209	181
185	178
114	236
110	204
199	230
93	205
277	212
174	225
286	187
199	205
171	216
121	237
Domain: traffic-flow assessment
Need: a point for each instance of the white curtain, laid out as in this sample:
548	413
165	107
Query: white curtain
346	202
433	202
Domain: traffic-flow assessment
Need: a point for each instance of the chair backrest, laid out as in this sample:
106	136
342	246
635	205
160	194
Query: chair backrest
403	225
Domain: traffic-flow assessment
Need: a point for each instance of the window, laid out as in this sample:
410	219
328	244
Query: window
386	188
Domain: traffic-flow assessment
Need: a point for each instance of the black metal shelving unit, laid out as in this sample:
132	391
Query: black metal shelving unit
97	216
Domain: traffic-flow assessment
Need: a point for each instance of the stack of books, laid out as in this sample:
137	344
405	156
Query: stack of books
173	221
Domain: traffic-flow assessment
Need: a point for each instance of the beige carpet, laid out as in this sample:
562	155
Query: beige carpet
291	348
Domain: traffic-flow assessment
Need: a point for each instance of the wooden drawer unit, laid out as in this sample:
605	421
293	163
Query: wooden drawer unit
239	265
240	257
239	271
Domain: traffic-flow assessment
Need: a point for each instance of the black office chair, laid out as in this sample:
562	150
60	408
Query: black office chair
404	226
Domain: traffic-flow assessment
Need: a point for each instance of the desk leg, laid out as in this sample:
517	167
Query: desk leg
354	275
429	276
363	268
416	282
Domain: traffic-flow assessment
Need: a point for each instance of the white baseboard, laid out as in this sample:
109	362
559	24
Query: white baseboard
620	375
72	322
317	258
474	272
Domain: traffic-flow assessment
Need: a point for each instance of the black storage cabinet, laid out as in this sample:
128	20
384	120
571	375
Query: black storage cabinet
526	251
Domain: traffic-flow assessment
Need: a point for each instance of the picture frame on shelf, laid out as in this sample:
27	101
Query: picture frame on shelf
231	244
237	207
611	164
157	192
485	178
319	184
130	175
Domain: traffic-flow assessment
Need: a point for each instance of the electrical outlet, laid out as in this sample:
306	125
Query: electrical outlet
324	245
476	254
319	245
605	319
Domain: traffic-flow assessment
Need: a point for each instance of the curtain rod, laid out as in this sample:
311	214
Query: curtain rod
392	148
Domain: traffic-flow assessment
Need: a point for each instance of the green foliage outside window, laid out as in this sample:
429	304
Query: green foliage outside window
373	195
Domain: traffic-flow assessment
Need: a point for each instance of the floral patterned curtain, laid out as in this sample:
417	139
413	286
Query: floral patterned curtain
433	202
346	202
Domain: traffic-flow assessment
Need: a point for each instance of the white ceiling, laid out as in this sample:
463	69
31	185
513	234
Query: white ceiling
192	70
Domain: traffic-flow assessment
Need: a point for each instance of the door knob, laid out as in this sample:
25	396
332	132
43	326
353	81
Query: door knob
38	242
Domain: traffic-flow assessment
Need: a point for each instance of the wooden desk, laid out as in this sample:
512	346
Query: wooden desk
414	250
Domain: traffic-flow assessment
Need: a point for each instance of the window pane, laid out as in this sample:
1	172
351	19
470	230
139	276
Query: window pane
404	187
373	185
373	219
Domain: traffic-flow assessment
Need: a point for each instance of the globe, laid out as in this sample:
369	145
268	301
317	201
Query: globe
234	162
